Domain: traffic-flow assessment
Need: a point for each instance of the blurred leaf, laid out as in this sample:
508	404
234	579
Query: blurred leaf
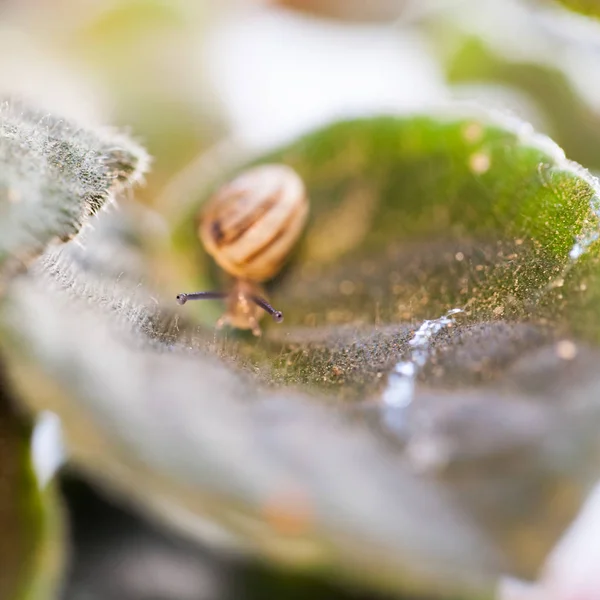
131	18
148	53
197	441
30	544
573	122
588	7
523	56
350	10
114	545
54	175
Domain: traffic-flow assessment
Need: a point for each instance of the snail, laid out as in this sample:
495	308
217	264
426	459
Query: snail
249	227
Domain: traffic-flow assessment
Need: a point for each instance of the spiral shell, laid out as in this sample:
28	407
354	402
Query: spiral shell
250	225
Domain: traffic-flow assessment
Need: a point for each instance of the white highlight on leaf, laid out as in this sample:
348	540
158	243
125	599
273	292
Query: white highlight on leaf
47	447
590	234
400	388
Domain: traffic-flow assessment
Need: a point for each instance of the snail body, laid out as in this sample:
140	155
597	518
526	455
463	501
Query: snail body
249	227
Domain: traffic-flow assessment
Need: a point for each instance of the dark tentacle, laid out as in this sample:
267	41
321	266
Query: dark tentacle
183	298
276	314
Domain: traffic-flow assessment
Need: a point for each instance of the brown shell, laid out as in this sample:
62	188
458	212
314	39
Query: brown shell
250	225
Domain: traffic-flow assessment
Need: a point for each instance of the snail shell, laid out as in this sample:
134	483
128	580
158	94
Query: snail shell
250	224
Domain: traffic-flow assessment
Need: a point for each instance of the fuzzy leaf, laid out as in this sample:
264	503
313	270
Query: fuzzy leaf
54	175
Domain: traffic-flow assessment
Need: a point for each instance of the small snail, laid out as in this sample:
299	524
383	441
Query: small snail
249	227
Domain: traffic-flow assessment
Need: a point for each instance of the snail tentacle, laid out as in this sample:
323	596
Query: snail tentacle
183	298
276	314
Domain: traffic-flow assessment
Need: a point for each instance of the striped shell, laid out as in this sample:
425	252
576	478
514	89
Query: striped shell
250	225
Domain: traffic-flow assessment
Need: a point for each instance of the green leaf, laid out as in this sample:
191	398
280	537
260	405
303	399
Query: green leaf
519	56
587	7
379	435
570	119
31	554
414	216
54	175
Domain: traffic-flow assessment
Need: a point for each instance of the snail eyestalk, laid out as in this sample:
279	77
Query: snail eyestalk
183	298
276	314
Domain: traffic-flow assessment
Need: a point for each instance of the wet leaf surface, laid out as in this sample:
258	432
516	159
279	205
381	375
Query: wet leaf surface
423	421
